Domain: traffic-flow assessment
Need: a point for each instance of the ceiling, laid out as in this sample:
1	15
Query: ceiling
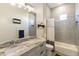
53	5
50	5
35	4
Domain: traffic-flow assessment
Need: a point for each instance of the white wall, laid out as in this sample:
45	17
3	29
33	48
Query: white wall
48	12
50	26
8	30
43	14
39	18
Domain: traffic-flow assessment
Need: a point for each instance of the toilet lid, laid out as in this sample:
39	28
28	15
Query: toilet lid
49	46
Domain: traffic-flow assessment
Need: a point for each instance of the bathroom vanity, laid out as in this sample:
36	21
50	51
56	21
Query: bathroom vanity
33	47
38	50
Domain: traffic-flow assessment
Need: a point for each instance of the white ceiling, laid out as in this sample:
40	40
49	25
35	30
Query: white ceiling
36	4
53	5
50	5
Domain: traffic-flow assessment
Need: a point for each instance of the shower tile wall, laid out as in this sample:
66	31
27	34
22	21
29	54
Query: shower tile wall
77	24
65	30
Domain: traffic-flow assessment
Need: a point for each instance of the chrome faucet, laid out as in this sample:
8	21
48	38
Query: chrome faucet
13	42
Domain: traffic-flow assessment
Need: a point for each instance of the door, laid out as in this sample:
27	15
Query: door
32	25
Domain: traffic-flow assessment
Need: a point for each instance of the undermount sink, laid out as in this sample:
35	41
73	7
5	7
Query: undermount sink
12	46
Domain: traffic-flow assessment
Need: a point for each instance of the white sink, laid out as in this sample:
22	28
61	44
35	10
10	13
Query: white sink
15	50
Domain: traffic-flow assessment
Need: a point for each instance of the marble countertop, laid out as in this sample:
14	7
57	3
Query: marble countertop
21	48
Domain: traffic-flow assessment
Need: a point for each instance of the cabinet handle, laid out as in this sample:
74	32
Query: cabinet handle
41	52
41	45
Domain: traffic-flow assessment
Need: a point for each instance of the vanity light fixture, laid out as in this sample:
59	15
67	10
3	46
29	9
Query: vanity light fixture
13	4
19	6
26	7
30	8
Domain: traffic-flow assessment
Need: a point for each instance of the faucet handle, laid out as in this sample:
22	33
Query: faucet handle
12	42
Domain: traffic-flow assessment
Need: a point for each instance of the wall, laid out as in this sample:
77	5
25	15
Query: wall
50	25
8	30
62	9
65	30
43	14
39	19
49	21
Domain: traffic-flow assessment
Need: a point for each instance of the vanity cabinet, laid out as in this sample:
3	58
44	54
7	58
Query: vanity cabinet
39	50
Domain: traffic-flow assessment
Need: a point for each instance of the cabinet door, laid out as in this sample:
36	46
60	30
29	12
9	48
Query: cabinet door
43	49
37	51
33	52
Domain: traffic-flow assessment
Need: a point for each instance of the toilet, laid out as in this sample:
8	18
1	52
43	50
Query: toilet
50	48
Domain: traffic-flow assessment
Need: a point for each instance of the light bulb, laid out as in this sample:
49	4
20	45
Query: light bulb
13	4
19	6
30	8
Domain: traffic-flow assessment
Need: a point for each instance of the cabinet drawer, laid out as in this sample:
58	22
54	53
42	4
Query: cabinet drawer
43	49
43	53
